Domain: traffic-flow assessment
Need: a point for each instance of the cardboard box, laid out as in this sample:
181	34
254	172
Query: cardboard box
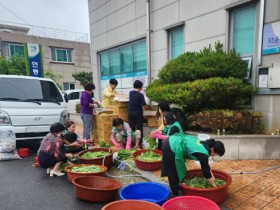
121	110
153	122
124	117
103	119
153	112
122	104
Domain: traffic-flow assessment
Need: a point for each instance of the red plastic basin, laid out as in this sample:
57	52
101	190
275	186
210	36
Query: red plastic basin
23	152
216	194
144	165
72	175
190	203
96	188
132	205
98	161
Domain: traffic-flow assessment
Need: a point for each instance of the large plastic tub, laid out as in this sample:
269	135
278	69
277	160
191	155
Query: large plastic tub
147	191
145	165
108	162
96	188
72	175
131	205
216	194
190	203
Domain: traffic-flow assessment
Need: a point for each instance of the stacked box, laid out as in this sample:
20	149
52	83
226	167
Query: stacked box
152	116
121	110
102	126
153	121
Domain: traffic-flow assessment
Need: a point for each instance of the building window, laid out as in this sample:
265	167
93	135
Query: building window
243	30
104	64
176	42
61	55
14	49
139	56
115	61
125	59
69	86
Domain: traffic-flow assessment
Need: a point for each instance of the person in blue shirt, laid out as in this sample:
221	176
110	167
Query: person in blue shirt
135	108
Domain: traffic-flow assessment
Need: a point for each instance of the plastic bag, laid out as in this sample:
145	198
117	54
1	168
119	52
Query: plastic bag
7	141
8	146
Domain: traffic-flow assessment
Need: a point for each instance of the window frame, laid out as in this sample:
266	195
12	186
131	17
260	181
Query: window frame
67	54
231	25
68	84
169	30
120	57
9	44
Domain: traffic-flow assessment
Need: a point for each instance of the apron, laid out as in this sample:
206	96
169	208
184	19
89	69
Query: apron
167	129
183	146
124	135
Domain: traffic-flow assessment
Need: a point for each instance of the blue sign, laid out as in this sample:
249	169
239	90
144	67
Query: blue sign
271	38
34	60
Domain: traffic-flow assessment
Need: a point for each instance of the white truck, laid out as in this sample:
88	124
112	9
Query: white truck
29	105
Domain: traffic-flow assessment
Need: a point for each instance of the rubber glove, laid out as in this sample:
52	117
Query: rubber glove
128	143
158	135
116	144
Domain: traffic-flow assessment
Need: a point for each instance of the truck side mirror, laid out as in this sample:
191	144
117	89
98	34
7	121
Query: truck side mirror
66	97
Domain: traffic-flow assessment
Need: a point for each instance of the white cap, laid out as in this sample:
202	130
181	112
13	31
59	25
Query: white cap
203	137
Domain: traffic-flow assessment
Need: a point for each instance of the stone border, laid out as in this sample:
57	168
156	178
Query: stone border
249	147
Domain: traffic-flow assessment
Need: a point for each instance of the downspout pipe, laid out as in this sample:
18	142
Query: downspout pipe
260	37
148	41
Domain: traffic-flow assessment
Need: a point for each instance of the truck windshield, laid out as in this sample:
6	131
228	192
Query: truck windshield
29	89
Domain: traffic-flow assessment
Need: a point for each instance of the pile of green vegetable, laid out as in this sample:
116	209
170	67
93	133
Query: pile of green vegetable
86	169
104	144
93	155
152	142
63	166
125	154
201	182
149	156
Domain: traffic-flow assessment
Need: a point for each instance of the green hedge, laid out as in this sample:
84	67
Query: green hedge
202	65
212	93
232	121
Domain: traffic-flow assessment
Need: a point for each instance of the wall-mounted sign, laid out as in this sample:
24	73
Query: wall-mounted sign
263	77
271	38
33	58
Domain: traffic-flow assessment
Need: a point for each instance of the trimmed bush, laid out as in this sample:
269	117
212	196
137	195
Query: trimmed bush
230	120
212	93
202	65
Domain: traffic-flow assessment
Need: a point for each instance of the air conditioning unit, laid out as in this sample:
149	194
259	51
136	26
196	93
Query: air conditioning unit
274	77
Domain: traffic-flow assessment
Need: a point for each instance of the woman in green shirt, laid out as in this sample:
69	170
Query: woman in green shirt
171	126
177	148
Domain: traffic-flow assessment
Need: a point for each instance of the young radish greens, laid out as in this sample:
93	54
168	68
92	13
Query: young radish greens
149	156
201	182
93	155
86	169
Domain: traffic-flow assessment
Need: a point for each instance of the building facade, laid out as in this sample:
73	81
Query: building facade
134	39
62	57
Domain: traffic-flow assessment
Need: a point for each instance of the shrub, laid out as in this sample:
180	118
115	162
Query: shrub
78	108
212	93
202	65
232	121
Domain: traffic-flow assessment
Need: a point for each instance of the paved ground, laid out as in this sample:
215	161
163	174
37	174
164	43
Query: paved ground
249	191
25	187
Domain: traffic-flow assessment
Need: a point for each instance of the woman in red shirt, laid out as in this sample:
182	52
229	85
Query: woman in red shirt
51	154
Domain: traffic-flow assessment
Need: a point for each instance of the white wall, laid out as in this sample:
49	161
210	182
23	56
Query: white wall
114	23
